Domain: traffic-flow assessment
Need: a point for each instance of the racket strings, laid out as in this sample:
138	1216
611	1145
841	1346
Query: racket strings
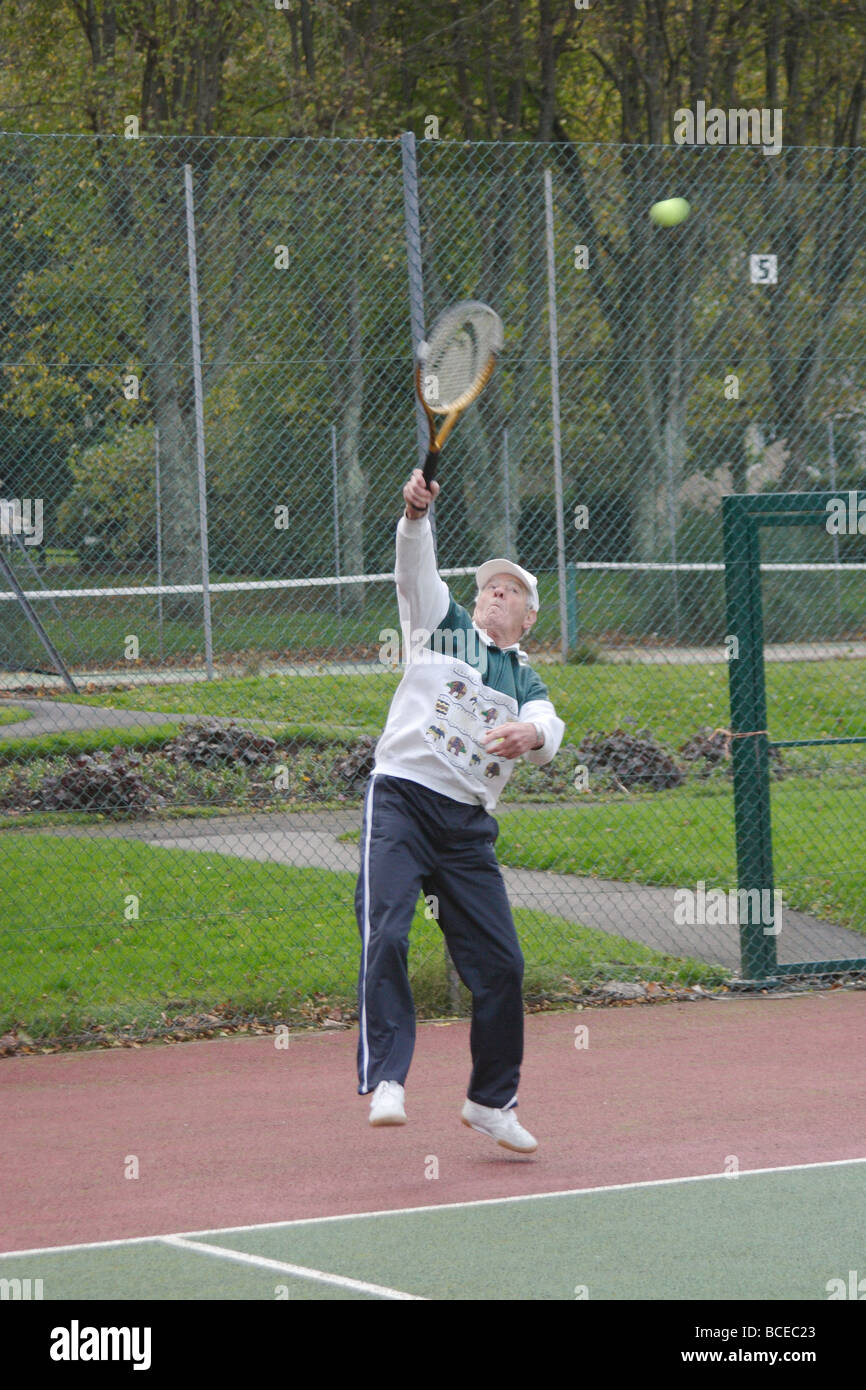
458	356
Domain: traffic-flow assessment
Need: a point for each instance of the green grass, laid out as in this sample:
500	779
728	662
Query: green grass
806	699
680	837
261	625
56	744
612	607
358	702
151	736
214	931
14	714
677	838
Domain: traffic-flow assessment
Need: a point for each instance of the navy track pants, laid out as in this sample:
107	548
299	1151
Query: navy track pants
416	840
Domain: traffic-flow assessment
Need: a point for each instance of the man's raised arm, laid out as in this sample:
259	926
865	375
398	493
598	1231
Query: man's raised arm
423	597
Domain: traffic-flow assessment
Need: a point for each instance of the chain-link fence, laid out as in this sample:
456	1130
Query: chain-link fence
197	616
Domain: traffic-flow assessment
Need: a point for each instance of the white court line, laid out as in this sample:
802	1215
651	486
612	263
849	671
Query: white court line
533	1196
82	1245
299	1271
436	1206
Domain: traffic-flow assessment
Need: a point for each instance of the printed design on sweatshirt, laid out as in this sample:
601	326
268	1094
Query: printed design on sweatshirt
463	710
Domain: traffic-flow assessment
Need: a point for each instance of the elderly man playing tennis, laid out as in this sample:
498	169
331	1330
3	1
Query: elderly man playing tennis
467	707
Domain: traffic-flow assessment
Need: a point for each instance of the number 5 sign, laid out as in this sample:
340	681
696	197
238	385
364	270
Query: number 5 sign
762	270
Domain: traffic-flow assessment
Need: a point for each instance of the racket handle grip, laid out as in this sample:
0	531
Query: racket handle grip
430	466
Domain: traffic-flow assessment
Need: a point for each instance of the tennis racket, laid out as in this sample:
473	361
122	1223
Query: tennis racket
453	367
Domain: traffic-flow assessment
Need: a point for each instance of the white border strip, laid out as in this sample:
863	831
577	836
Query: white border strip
541	1196
331	581
297	1271
246	586
437	1206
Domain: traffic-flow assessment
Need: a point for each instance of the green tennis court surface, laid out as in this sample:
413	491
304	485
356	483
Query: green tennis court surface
774	1234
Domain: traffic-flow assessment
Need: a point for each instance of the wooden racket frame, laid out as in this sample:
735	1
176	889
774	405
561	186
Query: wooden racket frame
452	413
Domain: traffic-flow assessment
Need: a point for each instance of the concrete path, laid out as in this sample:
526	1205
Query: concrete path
53	717
309	839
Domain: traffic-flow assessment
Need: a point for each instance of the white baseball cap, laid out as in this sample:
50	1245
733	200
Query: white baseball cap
490	568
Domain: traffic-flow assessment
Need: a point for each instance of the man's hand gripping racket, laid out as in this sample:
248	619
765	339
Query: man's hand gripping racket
453	367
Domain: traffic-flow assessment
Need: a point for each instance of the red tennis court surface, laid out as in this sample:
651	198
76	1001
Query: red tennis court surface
239	1131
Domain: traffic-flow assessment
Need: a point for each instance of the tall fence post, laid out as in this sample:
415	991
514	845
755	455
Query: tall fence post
749	736
412	215
554	392
158	486
199	417
832	450
506	481
336	490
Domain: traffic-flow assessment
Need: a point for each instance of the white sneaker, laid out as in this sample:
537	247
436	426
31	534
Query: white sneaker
386	1107
501	1125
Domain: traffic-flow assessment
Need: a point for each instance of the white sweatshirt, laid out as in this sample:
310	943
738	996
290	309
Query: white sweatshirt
456	685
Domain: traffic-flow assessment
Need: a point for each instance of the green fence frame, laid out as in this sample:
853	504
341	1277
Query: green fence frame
742	518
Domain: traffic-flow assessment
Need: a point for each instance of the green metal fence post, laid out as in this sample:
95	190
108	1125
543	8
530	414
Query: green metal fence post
742	550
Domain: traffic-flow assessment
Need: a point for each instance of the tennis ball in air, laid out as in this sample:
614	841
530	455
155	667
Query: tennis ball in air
669	212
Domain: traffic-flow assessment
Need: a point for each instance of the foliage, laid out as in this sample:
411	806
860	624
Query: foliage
112	499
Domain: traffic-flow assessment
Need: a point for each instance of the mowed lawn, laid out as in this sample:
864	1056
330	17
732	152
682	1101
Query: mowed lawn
212	931
119	933
680	837
805	699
